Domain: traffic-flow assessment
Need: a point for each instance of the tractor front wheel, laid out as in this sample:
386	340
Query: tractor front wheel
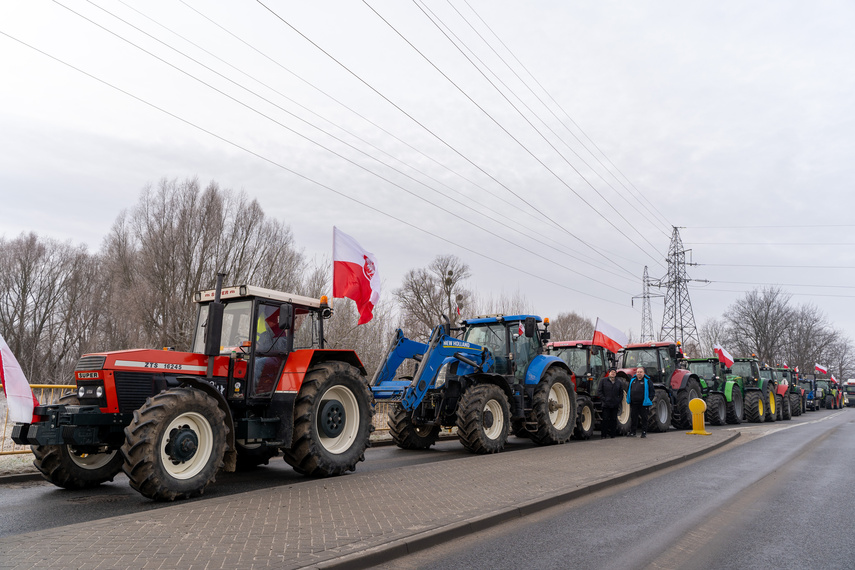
406	434
735	408
623	416
773	409
659	415
786	407
483	419
716	414
71	468
174	446
332	421
795	404
755	411
554	408
584	419
682	416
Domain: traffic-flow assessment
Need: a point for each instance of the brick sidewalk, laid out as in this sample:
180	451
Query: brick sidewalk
351	520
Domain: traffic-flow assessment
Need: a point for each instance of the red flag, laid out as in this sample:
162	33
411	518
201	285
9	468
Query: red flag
820	368
19	395
608	336
521	328
355	275
723	355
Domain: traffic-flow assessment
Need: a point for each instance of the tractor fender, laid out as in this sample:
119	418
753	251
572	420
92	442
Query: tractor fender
782	389
487	378
541	364
680	378
230	457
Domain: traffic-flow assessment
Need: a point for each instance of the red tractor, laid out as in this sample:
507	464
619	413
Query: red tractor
257	380
674	387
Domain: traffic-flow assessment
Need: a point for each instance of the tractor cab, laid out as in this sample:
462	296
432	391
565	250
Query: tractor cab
659	360
587	361
749	370
513	340
711	371
258	329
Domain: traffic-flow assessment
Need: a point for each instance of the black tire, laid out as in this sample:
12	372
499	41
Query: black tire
406	435
553	408
67	467
659	415
755	409
584	419
735	407
716	414
771	401
623	416
795	404
483	419
786	408
174	446
251	455
682	416
332	421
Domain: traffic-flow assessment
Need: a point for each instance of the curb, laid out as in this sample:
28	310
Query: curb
421	541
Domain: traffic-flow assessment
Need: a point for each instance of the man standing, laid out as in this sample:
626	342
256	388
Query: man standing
610	391
639	396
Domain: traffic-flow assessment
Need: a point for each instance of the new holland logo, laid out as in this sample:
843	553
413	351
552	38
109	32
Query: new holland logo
456	344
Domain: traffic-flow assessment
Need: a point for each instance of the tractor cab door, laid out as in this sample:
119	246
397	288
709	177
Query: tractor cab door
270	350
525	348
666	363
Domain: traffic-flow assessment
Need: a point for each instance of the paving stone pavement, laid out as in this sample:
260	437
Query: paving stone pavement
353	520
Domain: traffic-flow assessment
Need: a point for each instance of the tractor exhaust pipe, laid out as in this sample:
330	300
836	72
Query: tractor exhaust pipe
214	327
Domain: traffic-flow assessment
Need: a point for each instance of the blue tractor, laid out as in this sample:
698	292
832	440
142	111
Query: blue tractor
492	381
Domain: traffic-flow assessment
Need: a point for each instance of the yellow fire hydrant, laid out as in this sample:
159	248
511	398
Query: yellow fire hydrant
697	406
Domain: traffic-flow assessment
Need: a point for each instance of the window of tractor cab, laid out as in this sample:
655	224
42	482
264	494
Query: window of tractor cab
766	375
806	385
493	336
575	358
645	357
742	369
705	370
822	384
237	317
850	388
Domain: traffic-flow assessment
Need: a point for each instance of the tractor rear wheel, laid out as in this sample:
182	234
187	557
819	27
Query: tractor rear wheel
407	435
659	415
828	402
795	404
174	446
623	417
553	408
332	421
682	416
735	408
755	411
68	467
584	419
716	414
483	419
786	408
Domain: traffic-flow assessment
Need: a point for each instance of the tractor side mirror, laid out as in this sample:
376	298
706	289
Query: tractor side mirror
672	350
530	327
286	316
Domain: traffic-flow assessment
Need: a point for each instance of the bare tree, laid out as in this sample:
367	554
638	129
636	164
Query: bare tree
502	304
430	292
711	332
571	326
759	321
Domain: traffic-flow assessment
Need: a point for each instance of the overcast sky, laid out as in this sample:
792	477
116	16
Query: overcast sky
551	145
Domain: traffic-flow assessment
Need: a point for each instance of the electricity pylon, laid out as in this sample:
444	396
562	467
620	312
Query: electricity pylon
678	321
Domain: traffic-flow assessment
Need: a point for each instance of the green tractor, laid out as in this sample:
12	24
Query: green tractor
759	397
829	394
722	390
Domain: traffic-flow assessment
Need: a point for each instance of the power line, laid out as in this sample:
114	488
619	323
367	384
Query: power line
767	243
778	266
297	174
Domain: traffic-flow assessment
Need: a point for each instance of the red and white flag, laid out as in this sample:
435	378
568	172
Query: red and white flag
19	395
820	368
521	328
355	275
609	337
723	355
833	379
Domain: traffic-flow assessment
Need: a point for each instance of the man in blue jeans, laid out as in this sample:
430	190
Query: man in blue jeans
639	396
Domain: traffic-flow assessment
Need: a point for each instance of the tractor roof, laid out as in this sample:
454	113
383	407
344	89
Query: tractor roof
250	291
569	343
711	359
498	319
649	345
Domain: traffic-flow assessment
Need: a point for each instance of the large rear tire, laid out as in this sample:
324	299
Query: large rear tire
755	411
407	435
584	419
716	413
174	446
553	408
332	421
735	407
786	408
795	404
483	419
682	416
659	415
68	467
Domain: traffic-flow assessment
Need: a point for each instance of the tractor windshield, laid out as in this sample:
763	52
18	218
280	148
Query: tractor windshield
705	370
766	375
237	316
743	369
822	384
806	385
494	337
576	359
645	357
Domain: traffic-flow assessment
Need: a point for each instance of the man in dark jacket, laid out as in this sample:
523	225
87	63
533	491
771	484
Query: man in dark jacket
610	391
639	396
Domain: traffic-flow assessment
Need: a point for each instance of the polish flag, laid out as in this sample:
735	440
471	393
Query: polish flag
608	336
723	356
521	329
355	274
821	369
19	395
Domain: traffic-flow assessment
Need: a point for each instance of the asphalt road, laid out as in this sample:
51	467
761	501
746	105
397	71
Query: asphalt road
778	498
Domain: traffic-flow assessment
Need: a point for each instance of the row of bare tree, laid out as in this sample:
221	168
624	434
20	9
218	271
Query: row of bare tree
58	301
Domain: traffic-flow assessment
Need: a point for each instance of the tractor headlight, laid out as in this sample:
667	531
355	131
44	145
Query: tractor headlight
441	377
91	393
81	392
99	391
